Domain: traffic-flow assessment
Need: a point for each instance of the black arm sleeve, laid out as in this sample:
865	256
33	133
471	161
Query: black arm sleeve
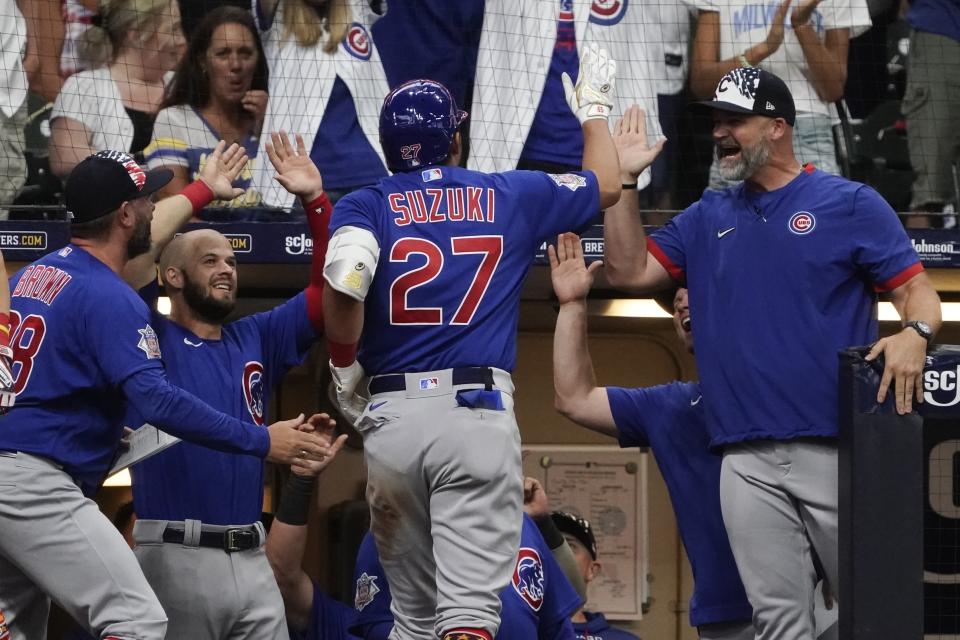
185	416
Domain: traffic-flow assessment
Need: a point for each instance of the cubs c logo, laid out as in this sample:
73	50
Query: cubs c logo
607	12
253	390
357	42
802	223
527	578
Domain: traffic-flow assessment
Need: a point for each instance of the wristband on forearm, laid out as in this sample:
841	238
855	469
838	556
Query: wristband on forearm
342	355
319	205
199	195
4	329
294	506
549	531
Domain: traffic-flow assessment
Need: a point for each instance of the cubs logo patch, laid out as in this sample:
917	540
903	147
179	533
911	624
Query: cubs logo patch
367	590
802	223
357	42
149	343
569	180
429	383
253	390
528	579
607	12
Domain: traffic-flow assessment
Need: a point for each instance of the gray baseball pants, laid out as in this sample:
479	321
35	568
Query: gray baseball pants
779	502
210	594
445	488
726	631
54	542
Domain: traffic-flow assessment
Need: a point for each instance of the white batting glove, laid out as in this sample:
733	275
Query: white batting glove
7	394
592	97
345	380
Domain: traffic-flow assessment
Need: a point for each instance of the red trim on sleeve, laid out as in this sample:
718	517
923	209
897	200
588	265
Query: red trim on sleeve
318	218
4	329
654	249
899	279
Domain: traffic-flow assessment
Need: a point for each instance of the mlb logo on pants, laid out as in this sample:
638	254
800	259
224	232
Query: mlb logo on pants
429	383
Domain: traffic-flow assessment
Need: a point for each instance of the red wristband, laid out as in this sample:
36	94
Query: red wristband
319	205
342	355
199	195
4	329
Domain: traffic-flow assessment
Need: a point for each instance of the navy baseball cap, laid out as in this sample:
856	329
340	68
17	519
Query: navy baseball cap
578	528
754	91
102	182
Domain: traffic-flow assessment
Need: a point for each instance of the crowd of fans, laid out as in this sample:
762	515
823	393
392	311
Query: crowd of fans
141	76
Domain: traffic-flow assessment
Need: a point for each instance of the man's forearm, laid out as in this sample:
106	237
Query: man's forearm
624	240
920	301
828	72
600	157
573	374
342	316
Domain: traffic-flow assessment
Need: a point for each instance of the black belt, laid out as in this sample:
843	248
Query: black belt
234	539
461	375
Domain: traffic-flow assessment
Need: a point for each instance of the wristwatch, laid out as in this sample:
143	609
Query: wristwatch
922	328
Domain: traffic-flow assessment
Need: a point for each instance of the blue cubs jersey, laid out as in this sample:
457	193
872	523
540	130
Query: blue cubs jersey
329	619
235	375
555	135
935	16
779	282
537	603
78	332
455	248
435	39
597	628
671	420
340	149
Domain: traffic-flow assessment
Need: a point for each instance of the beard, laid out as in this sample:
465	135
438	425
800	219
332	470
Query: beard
751	159
139	243
203	304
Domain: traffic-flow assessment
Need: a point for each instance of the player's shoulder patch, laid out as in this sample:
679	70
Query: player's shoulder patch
149	343
571	181
358	42
528	580
367	590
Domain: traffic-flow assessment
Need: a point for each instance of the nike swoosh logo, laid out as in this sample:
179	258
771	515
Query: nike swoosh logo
696	401
192	344
720	234
377	405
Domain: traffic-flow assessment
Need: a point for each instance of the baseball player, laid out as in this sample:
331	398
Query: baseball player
537	603
194	503
442	252
84	348
782	271
588	625
671	419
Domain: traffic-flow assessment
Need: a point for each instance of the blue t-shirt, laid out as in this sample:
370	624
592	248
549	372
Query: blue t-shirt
435	39
780	282
597	628
235	375
78	332
537	604
936	16
671	420
329	619
341	150
455	248
555	135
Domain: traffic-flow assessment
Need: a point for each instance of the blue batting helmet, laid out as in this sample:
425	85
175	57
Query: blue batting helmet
417	123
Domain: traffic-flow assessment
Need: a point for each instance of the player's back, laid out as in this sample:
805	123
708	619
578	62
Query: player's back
455	249
78	331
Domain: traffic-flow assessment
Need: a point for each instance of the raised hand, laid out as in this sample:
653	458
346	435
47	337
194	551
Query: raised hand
222	168
295	170
535	503
592	96
803	11
324	426
571	278
633	148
